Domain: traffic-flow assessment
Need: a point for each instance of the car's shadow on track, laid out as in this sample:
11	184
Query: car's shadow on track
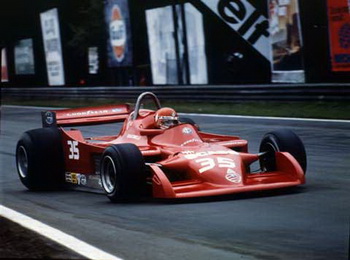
232	197
155	201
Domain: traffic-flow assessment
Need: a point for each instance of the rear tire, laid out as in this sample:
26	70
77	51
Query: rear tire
123	172
281	141
39	159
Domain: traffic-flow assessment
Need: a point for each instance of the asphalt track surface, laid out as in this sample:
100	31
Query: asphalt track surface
307	222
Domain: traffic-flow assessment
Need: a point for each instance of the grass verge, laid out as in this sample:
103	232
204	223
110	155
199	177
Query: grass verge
311	109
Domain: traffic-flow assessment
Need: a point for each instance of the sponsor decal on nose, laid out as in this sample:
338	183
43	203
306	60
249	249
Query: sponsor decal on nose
233	176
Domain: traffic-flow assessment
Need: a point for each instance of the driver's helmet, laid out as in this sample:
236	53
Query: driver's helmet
165	118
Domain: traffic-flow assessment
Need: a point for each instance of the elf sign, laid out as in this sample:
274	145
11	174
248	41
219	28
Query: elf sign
246	20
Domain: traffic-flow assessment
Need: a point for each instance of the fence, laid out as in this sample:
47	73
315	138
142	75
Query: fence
281	92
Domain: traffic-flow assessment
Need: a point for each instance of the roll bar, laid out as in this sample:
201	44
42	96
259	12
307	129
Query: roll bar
139	102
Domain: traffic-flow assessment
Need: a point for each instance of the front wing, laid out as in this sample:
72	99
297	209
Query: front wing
288	174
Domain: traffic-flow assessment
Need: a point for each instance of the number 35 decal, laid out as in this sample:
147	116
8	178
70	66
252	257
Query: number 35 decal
209	163
73	150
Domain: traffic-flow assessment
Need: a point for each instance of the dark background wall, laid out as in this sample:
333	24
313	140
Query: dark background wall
20	19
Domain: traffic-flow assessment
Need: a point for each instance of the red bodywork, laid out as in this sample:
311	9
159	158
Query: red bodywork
182	161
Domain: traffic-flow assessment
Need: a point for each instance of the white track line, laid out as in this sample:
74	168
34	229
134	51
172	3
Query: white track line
56	235
268	117
217	116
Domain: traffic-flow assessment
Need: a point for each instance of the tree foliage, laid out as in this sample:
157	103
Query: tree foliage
87	25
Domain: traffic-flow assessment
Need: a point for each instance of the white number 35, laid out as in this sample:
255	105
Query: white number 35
209	163
73	150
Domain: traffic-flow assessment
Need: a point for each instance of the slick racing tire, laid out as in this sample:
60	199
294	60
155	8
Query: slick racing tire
123	172
281	141
186	120
39	159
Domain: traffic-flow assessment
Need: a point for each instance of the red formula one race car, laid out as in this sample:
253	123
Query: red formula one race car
155	153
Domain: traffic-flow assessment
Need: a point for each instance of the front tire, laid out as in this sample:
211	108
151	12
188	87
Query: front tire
123	172
39	159
281	141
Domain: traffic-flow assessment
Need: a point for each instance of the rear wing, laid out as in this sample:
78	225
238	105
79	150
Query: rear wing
85	116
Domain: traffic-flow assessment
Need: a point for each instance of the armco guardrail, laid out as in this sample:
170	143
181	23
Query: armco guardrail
281	92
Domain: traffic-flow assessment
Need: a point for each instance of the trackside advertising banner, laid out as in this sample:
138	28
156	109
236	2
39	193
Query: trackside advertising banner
161	40
4	72
286	41
119	45
246	20
52	44
24	57
93	60
339	33
163	44
196	45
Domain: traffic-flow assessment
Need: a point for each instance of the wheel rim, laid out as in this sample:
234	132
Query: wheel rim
109	174
270	147
268	160
22	162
